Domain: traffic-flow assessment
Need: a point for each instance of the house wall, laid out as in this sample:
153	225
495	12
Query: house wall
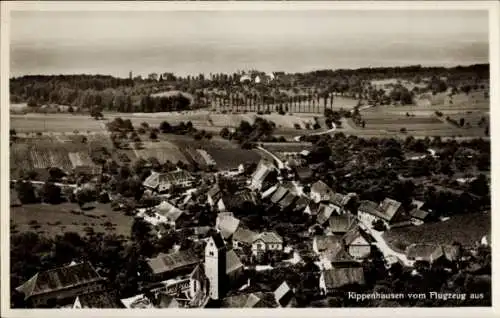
322	284
359	251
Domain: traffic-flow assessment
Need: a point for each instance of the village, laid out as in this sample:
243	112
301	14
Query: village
333	241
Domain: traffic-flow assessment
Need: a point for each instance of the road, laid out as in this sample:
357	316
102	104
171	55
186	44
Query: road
384	248
55	183
280	163
297	138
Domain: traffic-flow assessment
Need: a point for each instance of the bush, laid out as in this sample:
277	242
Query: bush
379	225
438	113
297	126
403	130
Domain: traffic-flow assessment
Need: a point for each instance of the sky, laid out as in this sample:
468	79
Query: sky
192	42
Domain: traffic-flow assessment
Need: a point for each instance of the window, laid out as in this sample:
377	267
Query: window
211	253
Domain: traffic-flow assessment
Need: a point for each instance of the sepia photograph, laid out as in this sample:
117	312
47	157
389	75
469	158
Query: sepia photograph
245	156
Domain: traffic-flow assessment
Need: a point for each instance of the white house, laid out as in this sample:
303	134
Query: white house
267	241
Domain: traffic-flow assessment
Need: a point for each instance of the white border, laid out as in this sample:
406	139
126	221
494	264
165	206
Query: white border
6	7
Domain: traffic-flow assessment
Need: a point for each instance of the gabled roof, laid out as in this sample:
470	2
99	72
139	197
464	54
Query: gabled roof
172	177
451	252
355	233
324	213
245	235
168	210
218	241
340	223
100	299
338	199
233	262
198	273
389	207
343	276
284	294
419	214
262	171
367	206
227	225
279	194
328	242
304	172
287	200
301	203
168	262
236	200
270	238
322	188
59	278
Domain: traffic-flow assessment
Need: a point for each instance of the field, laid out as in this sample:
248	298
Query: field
465	229
51	220
163	151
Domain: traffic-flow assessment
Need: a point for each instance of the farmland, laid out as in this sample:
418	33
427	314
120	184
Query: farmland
465	229
51	220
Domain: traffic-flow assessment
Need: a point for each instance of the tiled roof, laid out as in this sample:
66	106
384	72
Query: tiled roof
215	192
282	291
279	194
172	177
340	223
270	238
324	213
356	232
245	235
419	214
252	300
227	225
100	299
389	207
301	203
233	262
168	210
338	199
168	262
323	189
287	201
59	278
328	242
343	276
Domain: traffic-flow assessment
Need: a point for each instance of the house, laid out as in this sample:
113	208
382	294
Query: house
214	195
264	168
267	241
98	300
322	243
285	296
61	285
137	302
244	237
304	174
390	212
166	266
238	201
301	204
226	224
312	208
428	253
325	211
279	194
320	191
198	287
341	277
341	201
250	300
340	224
171	214
161	182
166	301
358	242
419	217
288	200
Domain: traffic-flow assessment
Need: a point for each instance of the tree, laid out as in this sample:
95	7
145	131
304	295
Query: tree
165	127
51	193
153	135
26	192
462	122
84	196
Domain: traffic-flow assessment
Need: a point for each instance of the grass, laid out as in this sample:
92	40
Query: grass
51	220
465	229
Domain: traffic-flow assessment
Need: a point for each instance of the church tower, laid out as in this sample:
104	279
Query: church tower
215	266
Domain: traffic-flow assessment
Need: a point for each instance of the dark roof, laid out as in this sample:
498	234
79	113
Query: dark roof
343	276
389	207
287	200
236	200
279	194
100	299
301	203
304	172
215	192
340	223
356	232
328	242
59	278
324	213
252	300
419	214
245	235
169	262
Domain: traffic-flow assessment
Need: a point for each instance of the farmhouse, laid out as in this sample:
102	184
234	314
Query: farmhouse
264	168
322	243
358	243
390	212
226	224
251	300
162	182
267	241
238	201
301	204
165	266
325	211
214	195
339	277
169	213
98	300
60	286
433	254
320	191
